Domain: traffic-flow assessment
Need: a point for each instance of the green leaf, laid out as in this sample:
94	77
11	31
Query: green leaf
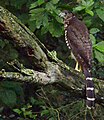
45	20
79	8
92	38
27	113
40	2
55	1
38	23
44	30
55	29
37	14
33	5
99	56
44	112
37	11
34	117
23	109
8	97
89	3
83	2
32	25
17	111
59	19
100	13
50	6
94	30
88	21
100	46
89	12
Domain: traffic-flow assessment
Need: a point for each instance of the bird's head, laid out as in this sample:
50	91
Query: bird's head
66	15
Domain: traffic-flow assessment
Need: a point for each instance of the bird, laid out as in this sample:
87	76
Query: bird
78	40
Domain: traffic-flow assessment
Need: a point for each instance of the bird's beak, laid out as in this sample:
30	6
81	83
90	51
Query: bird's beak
62	14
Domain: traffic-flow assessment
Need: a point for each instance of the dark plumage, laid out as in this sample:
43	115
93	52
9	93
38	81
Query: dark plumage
77	39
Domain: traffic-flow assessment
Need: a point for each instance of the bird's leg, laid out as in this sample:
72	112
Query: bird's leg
80	69
77	67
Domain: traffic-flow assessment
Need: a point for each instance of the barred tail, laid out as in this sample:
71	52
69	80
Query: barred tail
90	93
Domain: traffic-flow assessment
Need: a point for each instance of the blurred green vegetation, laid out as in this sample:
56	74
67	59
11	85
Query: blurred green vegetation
41	17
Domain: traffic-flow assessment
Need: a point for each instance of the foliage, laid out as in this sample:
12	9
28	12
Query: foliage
87	6
11	93
50	20
27	111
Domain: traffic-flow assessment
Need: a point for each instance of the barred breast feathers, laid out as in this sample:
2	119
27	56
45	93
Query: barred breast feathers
66	39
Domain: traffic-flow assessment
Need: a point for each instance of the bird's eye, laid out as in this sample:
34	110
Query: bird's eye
65	13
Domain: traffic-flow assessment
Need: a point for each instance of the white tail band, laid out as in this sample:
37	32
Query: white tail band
90	99
90	88
89	78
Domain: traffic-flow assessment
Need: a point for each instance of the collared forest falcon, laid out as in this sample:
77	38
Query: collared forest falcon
77	39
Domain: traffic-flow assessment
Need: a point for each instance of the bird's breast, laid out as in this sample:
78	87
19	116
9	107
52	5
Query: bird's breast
66	39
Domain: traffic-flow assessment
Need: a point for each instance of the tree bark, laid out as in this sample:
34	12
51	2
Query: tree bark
50	70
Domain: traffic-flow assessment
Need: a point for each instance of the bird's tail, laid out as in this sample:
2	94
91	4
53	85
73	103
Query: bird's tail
90	93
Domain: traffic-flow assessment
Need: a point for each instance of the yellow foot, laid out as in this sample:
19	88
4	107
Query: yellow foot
77	67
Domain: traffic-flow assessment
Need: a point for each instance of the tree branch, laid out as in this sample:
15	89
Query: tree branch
22	38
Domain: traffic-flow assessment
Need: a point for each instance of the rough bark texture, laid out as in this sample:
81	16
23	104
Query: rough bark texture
51	71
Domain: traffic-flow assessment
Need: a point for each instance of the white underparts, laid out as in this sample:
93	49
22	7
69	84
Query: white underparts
89	70
66	42
65	25
66	35
90	88
66	39
90	99
88	78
